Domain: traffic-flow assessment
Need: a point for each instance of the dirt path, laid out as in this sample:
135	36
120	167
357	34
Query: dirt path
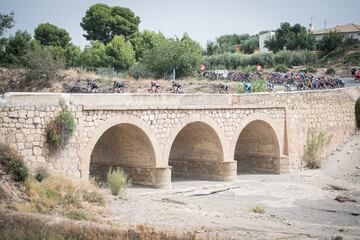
297	206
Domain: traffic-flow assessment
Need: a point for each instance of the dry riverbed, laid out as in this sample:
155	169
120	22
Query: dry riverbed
299	205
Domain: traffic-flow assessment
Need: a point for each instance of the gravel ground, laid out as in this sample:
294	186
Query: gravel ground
299	205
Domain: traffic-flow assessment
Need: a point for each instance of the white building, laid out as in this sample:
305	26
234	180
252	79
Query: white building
349	30
263	36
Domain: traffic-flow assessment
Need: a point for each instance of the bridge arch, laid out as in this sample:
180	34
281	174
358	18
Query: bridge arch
257	144
196	147
125	141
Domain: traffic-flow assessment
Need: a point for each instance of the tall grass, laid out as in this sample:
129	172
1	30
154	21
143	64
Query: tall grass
240	88
258	85
315	146
117	181
57	194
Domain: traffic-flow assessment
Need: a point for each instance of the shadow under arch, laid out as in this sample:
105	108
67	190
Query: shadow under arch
197	148
256	146
122	141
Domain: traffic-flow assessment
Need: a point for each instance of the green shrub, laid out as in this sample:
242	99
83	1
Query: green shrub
41	173
13	162
60	129
117	181
357	112
352	58
19	170
238	61
281	68
310	69
249	68
258	85
315	146
138	71
330	70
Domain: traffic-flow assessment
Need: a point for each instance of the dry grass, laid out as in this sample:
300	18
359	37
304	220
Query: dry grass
61	195
15	225
316	143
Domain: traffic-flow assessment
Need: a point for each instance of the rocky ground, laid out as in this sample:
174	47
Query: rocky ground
310	204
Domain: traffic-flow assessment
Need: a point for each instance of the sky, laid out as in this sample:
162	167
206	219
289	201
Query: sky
203	20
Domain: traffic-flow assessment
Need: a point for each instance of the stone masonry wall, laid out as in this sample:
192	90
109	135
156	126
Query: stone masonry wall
23	117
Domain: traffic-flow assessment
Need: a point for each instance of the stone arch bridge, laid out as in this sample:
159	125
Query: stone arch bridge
155	138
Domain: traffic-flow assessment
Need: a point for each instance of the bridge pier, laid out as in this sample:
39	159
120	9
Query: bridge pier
204	170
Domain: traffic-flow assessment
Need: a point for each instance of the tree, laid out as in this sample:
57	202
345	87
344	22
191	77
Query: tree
250	45
182	54
121	53
144	41
6	22
72	55
291	38
94	55
16	47
212	48
331	41
42	64
50	35
103	23
229	44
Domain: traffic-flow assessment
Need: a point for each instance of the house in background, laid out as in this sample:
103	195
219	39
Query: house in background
349	30
263	36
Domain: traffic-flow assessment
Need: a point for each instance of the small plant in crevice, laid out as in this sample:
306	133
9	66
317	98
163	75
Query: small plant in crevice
117	181
60	129
315	146
13	162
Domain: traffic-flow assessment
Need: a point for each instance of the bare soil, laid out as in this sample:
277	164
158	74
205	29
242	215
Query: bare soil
299	205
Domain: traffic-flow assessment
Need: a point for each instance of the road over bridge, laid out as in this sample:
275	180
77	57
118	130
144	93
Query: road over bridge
155	138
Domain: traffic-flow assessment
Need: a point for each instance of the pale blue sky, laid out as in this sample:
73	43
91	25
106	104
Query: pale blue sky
202	19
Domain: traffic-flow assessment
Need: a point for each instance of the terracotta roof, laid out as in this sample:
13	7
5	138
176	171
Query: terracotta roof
347	28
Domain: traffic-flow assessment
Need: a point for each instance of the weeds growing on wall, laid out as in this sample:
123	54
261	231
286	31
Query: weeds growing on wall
117	181
13	162
60	129
315	146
